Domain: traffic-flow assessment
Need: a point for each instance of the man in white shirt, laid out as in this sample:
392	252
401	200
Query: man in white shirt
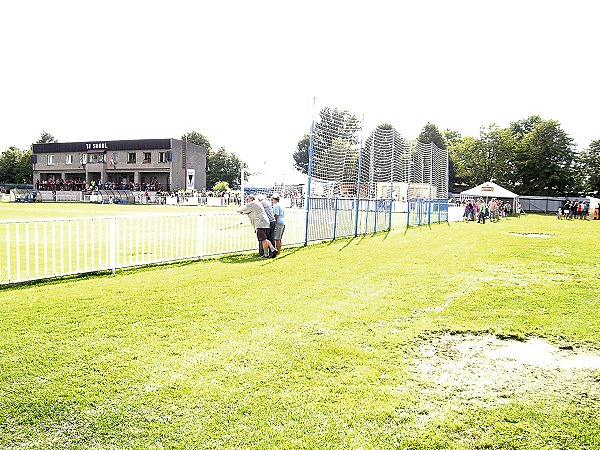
260	222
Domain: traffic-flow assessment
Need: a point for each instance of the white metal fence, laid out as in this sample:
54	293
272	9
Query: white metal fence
44	248
32	249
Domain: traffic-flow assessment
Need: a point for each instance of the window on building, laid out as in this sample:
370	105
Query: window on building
97	158
50	160
162	157
69	159
131	157
147	157
83	159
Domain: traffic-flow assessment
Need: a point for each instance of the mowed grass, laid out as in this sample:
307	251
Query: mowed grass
314	349
15	211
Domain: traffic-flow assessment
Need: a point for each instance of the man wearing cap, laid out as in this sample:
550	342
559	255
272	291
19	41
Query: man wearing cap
278	212
260	222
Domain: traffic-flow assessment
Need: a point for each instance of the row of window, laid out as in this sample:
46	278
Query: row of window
101	158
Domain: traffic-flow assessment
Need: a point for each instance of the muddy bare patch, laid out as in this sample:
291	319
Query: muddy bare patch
532	235
488	370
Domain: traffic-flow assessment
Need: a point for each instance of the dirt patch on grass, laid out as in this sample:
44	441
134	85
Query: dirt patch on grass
488	370
532	235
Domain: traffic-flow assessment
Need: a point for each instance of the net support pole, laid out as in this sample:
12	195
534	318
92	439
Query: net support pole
360	153
309	174
391	184
431	144
408	191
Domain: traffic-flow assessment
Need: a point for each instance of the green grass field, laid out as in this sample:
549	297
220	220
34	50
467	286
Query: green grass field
13	211
332	346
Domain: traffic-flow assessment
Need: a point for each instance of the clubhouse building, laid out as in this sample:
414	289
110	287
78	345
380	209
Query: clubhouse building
143	164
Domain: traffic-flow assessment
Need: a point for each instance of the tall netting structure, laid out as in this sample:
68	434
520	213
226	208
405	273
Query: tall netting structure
429	175
356	178
427	191
335	150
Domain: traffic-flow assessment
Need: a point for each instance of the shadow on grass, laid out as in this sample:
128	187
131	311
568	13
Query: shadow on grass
359	239
243	258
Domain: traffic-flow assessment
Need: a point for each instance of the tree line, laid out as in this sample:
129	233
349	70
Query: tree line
223	168
531	156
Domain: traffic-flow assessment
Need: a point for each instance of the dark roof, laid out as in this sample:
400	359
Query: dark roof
91	146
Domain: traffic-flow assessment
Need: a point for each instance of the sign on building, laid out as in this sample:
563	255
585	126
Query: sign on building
190	179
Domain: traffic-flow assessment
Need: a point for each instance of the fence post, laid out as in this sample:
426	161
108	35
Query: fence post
199	236
376	212
408	193
335	213
429	211
8	252
113	244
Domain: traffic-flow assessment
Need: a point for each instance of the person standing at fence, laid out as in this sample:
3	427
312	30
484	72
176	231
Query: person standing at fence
259	220
269	211
279	214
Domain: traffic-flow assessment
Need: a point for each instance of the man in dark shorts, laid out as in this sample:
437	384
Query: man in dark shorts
269	212
260	222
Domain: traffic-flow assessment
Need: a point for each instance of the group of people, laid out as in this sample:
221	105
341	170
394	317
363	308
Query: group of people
78	184
494	210
574	210
268	222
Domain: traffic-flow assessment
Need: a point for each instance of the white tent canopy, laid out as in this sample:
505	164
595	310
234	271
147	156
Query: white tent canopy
488	189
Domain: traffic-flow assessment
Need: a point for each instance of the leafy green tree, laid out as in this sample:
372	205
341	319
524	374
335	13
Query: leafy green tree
431	133
223	166
7	165
24	167
590	167
467	169
521	128
15	166
197	138
452	138
335	131
544	161
221	186
46	138
496	154
301	154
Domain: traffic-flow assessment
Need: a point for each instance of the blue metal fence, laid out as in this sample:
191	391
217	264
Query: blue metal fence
53	247
423	211
330	218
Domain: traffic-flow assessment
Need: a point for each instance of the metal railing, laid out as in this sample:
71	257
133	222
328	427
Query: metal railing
427	211
32	249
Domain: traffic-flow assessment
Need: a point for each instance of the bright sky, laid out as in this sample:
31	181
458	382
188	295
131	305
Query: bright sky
244	73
